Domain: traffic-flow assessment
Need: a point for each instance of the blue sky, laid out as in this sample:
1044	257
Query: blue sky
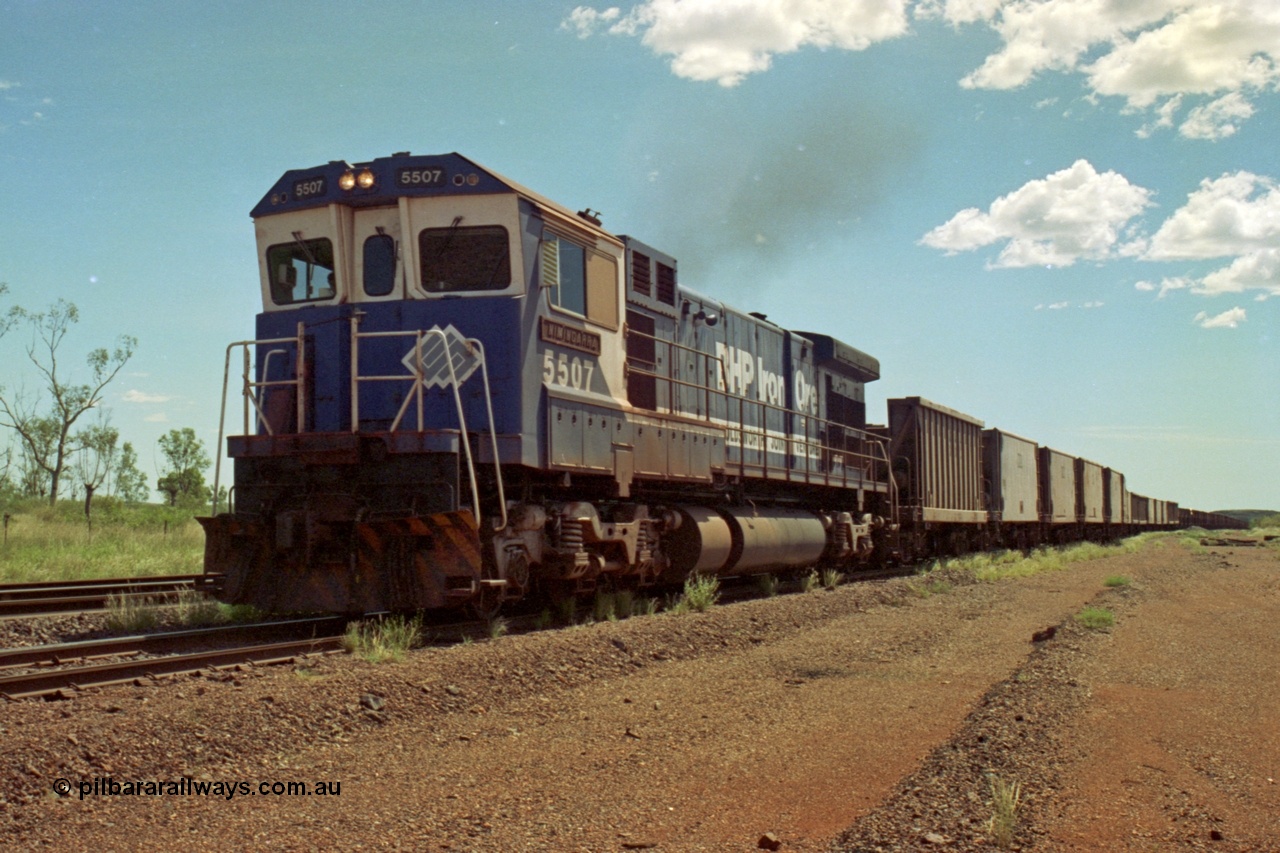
1061	217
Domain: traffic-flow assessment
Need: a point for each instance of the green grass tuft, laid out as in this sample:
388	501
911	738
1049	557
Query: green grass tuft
567	610
605	608
384	639
132	613
1096	618
702	592
1116	581
496	627
1006	797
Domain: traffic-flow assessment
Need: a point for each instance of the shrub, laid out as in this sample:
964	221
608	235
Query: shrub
702	592
832	578
809	581
768	585
1116	581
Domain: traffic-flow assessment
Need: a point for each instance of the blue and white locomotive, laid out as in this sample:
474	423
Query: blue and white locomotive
460	392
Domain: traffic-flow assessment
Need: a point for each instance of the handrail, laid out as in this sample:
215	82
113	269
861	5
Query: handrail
416	393
248	392
872	449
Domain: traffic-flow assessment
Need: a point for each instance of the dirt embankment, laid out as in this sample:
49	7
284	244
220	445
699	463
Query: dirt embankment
869	718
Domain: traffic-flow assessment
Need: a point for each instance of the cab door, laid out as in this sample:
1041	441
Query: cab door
378	256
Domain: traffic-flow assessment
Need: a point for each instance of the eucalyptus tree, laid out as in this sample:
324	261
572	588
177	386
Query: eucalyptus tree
44	419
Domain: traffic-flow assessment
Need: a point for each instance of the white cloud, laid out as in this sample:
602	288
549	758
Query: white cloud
1044	35
1078	214
1153	54
1074	214
1232	215
1174	283
1143	51
135	396
587	20
1230	319
157	418
1258	270
1202	48
6	85
1218	119
725	40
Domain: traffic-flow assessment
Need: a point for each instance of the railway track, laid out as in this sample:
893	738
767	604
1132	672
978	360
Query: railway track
58	670
35	599
62	669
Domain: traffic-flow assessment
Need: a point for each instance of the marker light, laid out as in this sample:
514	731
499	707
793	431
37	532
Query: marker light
347	181
365	179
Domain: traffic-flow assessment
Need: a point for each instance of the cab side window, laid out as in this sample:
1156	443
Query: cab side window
301	271
581	280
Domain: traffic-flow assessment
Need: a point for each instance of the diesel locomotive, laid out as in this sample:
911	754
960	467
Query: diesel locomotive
460	392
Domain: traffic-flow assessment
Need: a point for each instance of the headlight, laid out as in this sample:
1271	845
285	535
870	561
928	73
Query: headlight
347	181
365	179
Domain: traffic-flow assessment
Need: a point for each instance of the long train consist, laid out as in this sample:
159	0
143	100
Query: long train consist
460	393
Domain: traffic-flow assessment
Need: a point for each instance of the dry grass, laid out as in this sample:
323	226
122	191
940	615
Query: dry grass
52	546
1006	797
383	639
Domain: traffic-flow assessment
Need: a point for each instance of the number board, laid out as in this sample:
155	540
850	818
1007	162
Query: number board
568	336
310	187
421	176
